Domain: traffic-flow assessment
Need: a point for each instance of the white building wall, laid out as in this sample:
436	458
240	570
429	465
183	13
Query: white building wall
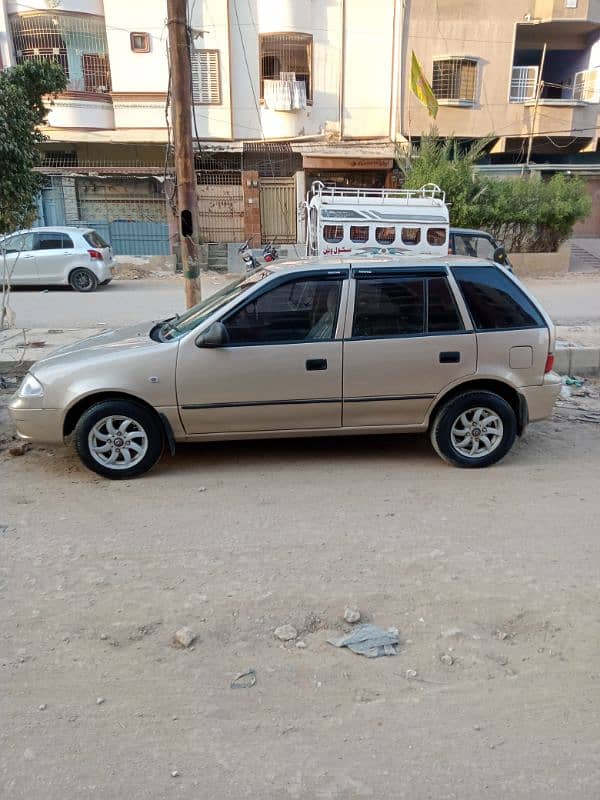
83	6
6	55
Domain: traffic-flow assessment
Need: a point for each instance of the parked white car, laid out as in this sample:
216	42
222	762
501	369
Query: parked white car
78	257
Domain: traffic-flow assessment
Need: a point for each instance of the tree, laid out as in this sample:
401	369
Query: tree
22	111
527	214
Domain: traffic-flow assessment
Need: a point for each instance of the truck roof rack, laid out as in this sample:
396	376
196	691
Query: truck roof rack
337	194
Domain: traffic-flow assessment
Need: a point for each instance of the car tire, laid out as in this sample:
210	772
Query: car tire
119	439
83	280
105	283
474	429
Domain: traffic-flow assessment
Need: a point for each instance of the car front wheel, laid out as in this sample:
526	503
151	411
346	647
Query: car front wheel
119	439
83	280
475	429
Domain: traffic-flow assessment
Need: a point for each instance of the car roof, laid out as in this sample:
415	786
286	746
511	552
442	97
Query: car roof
60	229
408	262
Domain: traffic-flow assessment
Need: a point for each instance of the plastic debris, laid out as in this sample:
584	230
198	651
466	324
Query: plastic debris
570	381
370	641
245	680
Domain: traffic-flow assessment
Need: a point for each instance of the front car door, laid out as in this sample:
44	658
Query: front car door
406	341
18	259
282	366
54	253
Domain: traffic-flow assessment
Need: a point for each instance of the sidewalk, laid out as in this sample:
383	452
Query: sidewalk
577	347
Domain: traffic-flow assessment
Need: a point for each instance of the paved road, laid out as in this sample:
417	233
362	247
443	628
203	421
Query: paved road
490	576
570	300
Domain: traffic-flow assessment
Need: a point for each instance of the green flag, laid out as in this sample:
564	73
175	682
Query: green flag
422	88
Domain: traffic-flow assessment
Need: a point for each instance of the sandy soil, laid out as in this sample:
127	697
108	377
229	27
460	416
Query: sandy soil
497	570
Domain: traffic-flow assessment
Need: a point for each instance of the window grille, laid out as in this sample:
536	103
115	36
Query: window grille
75	41
587	86
455	79
523	84
287	58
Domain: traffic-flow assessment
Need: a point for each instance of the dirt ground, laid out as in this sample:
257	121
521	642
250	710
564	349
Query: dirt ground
497	571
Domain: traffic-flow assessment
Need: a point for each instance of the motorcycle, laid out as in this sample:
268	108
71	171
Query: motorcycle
269	254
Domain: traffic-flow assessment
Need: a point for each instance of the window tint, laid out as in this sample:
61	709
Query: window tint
94	239
359	233
442	312
333	233
485	248
411	235
50	240
388	307
17	244
386	235
301	310
494	301
436	236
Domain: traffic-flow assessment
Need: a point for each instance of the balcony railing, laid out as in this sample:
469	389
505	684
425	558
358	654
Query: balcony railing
583	87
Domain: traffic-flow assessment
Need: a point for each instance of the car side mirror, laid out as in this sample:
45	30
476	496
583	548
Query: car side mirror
215	336
500	256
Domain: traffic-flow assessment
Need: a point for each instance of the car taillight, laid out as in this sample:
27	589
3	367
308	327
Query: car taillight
96	254
549	364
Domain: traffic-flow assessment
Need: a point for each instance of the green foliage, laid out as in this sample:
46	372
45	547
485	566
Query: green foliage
526	214
22	111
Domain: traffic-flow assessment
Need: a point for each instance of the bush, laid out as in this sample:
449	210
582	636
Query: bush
527	214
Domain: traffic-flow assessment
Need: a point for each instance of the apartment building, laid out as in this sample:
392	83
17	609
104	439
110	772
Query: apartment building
286	92
281	97
524	71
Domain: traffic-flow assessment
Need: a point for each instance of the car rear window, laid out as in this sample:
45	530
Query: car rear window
94	239
494	301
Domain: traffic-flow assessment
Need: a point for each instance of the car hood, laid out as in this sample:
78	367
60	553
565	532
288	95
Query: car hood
118	339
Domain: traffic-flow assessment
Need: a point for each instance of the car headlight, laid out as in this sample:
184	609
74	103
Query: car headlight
30	387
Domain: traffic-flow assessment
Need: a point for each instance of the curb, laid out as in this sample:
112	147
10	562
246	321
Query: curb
581	361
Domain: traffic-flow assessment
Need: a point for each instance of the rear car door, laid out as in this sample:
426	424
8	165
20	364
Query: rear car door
281	368
55	255
408	341
513	339
17	252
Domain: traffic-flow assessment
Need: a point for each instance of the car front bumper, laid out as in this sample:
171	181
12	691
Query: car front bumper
541	399
44	425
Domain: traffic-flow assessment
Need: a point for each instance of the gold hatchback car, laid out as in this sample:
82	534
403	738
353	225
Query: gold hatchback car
453	346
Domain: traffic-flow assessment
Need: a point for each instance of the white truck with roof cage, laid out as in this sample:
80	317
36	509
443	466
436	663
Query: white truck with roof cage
376	221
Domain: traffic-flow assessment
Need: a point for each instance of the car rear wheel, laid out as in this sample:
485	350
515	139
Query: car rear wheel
119	439
475	429
83	280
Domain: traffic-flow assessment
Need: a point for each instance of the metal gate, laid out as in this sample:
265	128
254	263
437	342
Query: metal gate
220	205
278	210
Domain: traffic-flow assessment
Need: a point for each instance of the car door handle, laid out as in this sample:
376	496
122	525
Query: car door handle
27	256
450	357
314	364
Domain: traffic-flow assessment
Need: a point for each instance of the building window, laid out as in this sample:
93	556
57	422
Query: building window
140	42
287	58
206	78
75	41
455	80
523	84
587	85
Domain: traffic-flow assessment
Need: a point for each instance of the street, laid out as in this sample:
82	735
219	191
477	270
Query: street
574	299
490	576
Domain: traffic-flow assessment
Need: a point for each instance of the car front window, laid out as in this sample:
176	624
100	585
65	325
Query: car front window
175	328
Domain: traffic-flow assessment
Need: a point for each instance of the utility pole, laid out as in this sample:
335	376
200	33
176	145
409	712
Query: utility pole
538	94
185	174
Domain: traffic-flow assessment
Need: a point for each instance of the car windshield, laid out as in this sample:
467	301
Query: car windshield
178	326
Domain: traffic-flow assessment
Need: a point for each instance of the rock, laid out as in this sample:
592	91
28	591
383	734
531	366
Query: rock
175	774
351	614
301	645
447	659
100	700
411	673
103	636
202	488
42	707
184	637
501	635
19	449
286	633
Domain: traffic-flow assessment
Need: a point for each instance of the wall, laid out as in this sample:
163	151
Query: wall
368	67
471	27
73	113
6	56
83	6
590	227
541	264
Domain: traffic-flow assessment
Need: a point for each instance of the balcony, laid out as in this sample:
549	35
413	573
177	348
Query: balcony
562	10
